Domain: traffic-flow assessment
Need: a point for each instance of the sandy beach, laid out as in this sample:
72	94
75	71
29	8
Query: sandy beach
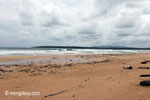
75	77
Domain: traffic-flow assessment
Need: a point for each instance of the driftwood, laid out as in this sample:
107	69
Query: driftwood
52	94
146	75
143	67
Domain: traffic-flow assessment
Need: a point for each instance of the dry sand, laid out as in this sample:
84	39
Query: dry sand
101	77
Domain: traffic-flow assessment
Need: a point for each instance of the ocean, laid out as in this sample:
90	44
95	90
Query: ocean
59	51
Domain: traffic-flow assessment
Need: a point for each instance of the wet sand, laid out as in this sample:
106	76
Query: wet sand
75	77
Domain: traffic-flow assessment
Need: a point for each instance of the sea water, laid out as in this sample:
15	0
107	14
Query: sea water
49	51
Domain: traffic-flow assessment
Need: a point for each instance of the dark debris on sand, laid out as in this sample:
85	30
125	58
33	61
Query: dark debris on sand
145	75
128	67
143	67
145	62
2	70
145	83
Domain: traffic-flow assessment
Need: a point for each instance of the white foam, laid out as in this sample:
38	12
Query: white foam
10	52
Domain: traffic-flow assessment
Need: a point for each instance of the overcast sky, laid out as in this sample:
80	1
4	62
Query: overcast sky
75	22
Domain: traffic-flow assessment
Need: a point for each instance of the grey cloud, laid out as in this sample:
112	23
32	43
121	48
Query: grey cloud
124	34
127	18
75	22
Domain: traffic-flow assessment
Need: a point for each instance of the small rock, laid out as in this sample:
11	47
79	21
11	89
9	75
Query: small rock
81	56
16	65
7	66
25	70
56	66
145	83
35	74
108	78
81	86
127	67
145	62
52	72
68	64
2	70
46	66
86	79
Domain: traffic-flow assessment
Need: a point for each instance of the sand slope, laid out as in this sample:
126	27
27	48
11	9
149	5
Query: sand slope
93	81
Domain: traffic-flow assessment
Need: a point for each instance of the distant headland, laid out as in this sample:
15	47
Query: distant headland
94	47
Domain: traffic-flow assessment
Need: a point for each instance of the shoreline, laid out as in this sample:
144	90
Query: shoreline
99	77
27	57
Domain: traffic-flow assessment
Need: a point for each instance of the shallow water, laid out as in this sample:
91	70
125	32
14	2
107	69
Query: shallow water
41	60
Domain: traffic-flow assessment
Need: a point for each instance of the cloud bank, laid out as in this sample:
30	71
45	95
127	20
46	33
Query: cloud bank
75	22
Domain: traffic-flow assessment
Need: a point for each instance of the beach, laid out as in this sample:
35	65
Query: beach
74	77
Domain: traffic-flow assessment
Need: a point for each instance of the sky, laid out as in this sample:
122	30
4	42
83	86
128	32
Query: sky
26	23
